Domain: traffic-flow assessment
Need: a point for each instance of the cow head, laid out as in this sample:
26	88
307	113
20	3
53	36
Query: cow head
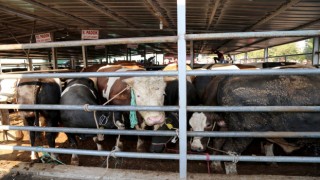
149	91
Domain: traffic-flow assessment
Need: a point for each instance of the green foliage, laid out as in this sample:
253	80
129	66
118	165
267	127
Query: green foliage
308	46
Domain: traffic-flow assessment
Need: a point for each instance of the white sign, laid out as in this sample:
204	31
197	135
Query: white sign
132	46
90	34
46	37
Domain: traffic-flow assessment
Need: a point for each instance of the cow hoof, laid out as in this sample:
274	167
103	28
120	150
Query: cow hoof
75	162
217	167
231	168
35	161
140	149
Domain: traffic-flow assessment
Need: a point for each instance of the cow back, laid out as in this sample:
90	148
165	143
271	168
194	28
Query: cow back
271	91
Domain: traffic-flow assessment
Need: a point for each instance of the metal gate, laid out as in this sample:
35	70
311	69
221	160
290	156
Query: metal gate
182	108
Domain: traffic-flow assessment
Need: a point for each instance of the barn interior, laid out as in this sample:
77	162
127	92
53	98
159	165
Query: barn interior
21	20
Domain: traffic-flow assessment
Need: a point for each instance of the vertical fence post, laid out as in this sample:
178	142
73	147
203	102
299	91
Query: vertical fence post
315	53
182	51
266	54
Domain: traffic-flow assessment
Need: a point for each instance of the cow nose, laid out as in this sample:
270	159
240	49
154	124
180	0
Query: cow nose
196	148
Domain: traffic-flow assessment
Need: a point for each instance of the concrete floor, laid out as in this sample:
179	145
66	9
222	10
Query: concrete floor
22	170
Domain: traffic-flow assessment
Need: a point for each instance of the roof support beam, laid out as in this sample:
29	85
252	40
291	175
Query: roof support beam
267	18
61	13
213	13
160	13
29	16
105	10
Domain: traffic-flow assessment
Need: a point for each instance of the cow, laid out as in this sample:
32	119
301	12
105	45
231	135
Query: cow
7	94
158	143
39	91
148	91
267	90
81	91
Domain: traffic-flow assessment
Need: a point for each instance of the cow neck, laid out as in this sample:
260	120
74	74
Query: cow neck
77	85
111	81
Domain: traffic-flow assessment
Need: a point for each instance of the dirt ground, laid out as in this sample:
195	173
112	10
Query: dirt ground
244	168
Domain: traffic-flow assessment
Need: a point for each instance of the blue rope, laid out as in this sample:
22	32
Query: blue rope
133	115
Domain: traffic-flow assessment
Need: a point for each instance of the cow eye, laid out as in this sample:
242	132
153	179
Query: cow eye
138	95
209	126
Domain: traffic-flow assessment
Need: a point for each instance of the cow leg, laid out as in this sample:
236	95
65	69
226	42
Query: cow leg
51	136
5	121
216	165
268	150
140	142
73	145
99	145
32	138
235	145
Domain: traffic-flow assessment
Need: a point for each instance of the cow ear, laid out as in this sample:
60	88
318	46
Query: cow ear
129	81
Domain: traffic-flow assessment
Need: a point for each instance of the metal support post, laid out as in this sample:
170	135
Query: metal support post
182	51
84	56
191	55
315	53
266	54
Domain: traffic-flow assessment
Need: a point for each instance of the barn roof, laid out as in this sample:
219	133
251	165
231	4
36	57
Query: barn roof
142	18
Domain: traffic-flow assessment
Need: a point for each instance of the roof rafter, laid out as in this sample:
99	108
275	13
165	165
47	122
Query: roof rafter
296	28
160	13
283	7
107	11
213	13
61	13
30	16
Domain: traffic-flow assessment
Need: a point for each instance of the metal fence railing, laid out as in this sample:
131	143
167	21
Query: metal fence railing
182	73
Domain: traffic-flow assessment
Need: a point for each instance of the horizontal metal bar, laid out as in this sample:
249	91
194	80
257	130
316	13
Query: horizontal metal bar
89	107
255	134
165	108
91	131
290	159
166	133
239	35
164	73
138	40
253	108
254	72
89	74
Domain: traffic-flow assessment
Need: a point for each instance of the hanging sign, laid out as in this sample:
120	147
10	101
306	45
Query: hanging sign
46	37
90	34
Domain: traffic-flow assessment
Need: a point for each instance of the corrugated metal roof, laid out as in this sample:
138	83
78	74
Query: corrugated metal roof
141	18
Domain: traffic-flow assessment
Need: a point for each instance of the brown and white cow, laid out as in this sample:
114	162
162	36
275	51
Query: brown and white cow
148	91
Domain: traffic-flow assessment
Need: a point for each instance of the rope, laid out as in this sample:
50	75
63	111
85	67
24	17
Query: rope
133	115
235	156
112	154
47	158
126	88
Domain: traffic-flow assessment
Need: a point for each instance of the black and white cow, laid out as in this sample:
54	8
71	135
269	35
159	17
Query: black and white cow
268	90
39	91
159	143
82	92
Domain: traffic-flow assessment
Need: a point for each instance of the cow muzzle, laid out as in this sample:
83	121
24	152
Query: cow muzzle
196	145
157	119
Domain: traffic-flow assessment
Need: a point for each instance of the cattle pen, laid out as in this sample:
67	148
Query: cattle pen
182	156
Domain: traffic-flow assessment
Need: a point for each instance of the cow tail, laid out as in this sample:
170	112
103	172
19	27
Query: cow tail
36	91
